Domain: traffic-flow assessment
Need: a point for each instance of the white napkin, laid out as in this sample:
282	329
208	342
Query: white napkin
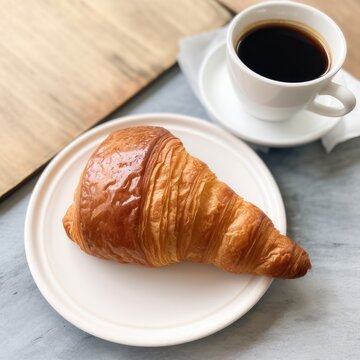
194	48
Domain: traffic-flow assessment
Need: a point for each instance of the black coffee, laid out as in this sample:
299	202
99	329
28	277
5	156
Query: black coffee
283	52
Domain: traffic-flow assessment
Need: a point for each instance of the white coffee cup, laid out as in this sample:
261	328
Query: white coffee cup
273	100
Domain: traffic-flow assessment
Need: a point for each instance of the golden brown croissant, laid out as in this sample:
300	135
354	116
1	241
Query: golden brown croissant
143	199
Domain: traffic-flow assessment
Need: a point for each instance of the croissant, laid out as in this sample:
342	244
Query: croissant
143	199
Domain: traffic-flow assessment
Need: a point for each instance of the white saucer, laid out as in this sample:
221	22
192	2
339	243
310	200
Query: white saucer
220	100
132	304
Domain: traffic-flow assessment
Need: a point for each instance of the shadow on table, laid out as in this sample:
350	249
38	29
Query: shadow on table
313	162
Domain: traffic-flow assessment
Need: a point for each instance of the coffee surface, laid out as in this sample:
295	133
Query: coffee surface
283	52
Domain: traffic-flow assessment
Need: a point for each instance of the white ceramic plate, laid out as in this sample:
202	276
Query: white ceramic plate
222	103
131	304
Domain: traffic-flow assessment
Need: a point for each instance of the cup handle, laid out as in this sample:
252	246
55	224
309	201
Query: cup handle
341	93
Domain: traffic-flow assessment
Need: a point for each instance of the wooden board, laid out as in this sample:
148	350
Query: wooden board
65	65
345	12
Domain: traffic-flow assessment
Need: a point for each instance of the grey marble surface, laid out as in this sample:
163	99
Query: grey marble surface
316	317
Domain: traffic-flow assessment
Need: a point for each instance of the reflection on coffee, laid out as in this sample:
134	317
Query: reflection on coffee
283	51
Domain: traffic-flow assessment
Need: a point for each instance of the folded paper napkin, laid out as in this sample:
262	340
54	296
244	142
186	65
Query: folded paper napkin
193	50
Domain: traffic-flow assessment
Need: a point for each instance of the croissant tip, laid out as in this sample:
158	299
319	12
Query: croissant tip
303	265
67	222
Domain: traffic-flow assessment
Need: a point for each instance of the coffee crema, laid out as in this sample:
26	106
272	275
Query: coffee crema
283	51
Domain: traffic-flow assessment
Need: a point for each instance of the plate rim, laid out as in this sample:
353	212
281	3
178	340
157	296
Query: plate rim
219	119
61	156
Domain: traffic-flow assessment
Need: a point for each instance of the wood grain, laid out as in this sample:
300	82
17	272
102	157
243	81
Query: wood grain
65	65
345	12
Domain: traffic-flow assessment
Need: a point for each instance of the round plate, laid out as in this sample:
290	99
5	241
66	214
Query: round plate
132	304
223	105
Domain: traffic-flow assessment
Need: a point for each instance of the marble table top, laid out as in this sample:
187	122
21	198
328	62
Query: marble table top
316	317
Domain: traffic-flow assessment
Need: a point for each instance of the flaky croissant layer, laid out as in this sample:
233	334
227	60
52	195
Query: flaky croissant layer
143	199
